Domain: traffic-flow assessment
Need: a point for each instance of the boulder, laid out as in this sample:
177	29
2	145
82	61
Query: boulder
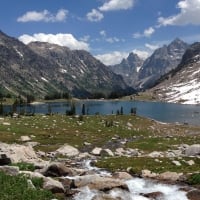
106	152
193	195
67	150
20	153
57	170
10	170
148	174
99	183
53	185
96	151
193	150
170	176
122	175
25	138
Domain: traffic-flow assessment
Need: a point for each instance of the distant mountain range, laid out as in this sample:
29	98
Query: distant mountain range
41	69
143	74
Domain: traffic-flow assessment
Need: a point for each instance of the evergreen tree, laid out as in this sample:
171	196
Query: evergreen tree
1	109
83	109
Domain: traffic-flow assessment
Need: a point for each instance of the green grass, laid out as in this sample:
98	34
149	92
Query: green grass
144	134
150	144
24	166
140	163
16	188
53	131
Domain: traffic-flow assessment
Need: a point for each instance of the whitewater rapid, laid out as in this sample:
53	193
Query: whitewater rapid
137	188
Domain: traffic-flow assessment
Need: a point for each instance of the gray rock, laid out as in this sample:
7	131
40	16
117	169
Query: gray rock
25	138
190	162
68	150
148	174
122	175
177	163
193	150
99	183
30	184
57	170
170	176
155	154
96	151
53	185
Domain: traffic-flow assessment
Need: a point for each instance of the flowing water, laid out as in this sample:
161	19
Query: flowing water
137	188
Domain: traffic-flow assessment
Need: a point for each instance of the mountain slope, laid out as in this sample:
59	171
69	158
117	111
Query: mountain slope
84	70
129	68
182	84
161	62
41	69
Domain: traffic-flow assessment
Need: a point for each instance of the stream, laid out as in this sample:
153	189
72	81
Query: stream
138	189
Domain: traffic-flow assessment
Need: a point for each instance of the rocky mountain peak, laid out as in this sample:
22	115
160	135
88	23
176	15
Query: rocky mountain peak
128	68
162	61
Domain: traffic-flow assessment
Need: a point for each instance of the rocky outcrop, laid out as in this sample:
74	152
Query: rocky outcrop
20	153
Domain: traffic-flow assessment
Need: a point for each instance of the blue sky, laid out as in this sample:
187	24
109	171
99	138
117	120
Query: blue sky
108	29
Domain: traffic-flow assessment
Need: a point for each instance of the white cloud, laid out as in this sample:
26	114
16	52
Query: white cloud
44	16
95	16
103	33
141	54
112	58
116	57
189	14
85	38
112	39
151	47
60	39
147	33
110	5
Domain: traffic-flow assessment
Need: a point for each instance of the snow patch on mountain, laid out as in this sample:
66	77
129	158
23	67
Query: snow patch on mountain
186	93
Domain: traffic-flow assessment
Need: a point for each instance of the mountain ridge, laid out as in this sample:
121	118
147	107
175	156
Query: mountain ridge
25	71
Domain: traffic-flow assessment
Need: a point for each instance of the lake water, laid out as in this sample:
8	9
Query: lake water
164	112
